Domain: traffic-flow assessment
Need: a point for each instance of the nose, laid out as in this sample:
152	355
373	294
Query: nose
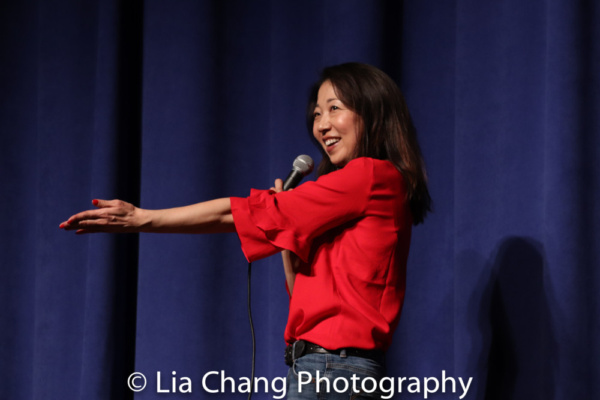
323	125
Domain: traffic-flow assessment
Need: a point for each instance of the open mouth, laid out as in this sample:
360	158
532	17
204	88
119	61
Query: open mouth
329	143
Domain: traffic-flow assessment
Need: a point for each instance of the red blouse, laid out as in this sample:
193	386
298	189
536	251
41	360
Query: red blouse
352	230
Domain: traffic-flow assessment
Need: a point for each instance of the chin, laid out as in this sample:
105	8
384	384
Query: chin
339	164
336	160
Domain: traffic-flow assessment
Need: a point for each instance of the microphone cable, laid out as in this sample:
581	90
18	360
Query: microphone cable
302	166
251	331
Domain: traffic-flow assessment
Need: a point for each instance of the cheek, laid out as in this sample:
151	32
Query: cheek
351	129
350	123
316	134
358	129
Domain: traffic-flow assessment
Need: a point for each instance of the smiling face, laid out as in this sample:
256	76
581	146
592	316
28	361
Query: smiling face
335	126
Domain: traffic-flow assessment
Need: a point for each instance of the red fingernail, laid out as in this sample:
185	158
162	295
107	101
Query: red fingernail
95	202
62	225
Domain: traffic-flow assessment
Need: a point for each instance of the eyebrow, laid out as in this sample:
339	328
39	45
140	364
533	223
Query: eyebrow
328	101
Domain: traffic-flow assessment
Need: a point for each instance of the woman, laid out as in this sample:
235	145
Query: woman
345	237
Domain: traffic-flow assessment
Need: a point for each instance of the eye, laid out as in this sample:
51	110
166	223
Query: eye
316	114
333	108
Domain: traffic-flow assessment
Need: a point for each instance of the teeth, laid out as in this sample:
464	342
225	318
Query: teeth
331	141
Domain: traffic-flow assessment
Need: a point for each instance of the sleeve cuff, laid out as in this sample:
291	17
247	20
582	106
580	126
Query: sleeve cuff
252	238
262	228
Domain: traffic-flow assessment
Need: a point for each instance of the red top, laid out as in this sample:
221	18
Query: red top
352	230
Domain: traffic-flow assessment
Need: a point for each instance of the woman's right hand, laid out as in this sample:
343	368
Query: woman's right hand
290	260
278	186
110	216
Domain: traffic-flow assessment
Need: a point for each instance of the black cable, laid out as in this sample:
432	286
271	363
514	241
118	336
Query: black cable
251	331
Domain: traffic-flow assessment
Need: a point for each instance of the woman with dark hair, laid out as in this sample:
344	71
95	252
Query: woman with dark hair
344	238
386	131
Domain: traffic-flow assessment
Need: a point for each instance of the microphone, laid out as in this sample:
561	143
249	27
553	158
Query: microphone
303	165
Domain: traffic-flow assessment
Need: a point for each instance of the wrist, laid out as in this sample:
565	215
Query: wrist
146	220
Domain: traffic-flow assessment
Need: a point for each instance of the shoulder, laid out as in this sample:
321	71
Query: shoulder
364	174
368	163
380	175
358	172
373	168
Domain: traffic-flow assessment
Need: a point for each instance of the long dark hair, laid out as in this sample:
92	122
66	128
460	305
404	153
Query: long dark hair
387	130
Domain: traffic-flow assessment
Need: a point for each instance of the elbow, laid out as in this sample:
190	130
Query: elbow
227	223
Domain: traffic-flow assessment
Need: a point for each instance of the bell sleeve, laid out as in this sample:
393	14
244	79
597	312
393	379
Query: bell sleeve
267	222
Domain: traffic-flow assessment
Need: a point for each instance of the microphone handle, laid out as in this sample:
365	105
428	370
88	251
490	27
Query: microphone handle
292	180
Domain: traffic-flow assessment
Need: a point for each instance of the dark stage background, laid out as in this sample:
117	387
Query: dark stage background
165	103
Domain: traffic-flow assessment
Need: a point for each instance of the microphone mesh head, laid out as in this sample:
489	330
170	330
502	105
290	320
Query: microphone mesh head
304	164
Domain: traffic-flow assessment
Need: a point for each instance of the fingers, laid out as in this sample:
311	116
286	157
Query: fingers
108	203
83	216
278	186
89	225
77	224
106	211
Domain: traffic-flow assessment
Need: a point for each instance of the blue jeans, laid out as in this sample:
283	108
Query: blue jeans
331	377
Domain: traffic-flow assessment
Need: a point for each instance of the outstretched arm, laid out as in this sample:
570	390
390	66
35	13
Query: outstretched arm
118	216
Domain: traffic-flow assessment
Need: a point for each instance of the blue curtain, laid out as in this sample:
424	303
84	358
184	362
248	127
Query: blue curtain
168	103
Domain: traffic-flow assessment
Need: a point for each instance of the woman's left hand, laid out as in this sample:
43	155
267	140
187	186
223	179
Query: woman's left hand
110	216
